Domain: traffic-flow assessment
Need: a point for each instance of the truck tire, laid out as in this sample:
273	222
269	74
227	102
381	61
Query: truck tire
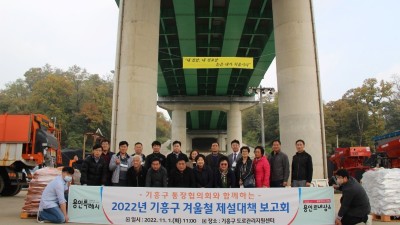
11	190
1	183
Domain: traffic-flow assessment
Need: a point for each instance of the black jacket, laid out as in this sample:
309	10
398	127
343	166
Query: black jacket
354	201
279	164
302	167
136	179
242	171
93	173
172	159
157	178
181	179
204	178
213	164
150	157
231	180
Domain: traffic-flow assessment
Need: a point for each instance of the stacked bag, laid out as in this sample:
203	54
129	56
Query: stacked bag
37	185
383	190
40	179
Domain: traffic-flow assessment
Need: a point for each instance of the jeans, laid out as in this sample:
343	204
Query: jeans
53	215
299	183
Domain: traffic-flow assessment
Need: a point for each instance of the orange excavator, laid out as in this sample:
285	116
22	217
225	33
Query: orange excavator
26	141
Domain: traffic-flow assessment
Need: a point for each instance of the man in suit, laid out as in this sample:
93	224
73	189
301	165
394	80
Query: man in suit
235	155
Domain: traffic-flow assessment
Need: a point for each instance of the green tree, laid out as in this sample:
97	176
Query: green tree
163	129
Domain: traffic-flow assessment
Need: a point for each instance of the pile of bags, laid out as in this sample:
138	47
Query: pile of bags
383	190
37	185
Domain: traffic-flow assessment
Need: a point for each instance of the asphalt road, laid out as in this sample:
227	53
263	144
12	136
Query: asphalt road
10	209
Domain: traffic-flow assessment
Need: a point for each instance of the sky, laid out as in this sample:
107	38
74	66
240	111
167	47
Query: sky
356	39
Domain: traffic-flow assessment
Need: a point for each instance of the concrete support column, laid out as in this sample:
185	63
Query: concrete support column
178	130
135	80
234	125
188	144
222	142
300	104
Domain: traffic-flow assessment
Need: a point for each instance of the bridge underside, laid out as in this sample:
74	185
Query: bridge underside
216	28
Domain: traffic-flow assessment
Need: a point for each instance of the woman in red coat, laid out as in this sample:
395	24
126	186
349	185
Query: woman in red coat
261	168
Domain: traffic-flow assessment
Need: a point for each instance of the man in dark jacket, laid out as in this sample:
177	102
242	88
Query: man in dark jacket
157	175
302	166
279	163
173	157
181	175
156	145
94	168
354	207
107	155
213	158
136	175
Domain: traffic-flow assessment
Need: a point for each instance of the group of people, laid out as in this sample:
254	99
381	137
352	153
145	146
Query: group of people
216	170
177	169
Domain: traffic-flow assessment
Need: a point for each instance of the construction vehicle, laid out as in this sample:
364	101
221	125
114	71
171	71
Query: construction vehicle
353	159
26	141
388	150
357	160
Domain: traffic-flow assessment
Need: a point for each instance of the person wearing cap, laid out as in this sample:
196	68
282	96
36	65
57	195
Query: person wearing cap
173	157
354	204
181	175
157	175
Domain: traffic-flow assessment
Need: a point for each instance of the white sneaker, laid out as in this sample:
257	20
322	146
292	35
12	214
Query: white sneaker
38	219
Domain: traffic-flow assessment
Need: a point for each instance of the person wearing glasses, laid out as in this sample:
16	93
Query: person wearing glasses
224	177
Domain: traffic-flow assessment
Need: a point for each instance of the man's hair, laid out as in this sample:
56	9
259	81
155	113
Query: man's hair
176	142
138	143
155	143
244	147
137	156
214	141
343	173
105	140
123	143
181	157
68	169
235	141
301	141
276	140
96	146
155	159
261	149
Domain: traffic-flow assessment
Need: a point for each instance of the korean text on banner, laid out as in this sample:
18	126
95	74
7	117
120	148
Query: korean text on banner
153	206
217	62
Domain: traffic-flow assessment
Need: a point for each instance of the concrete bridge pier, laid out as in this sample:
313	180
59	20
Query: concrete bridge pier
300	103
134	117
